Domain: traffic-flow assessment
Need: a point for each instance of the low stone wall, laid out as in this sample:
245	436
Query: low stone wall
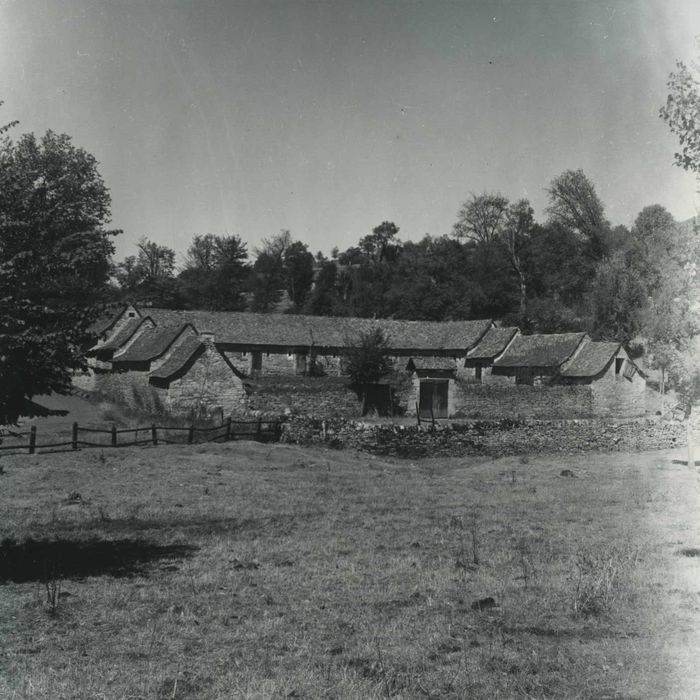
521	401
310	396
487	437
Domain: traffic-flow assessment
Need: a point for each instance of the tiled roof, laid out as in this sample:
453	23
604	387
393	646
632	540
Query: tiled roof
591	359
428	363
107	320
540	350
292	330
492	344
122	335
153	343
178	358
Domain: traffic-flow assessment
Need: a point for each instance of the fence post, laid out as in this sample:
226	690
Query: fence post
228	429
32	439
259	432
154	434
323	430
417	412
114	436
74	439
190	435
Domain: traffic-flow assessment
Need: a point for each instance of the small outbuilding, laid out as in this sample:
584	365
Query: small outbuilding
537	359
618	386
433	385
196	377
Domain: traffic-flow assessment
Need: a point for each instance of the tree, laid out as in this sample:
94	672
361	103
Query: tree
323	299
215	273
149	278
54	264
515	235
268	276
617	297
154	262
573	203
382	243
299	272
654	243
481	218
682	114
367	358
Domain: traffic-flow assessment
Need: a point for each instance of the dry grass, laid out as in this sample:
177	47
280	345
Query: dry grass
254	571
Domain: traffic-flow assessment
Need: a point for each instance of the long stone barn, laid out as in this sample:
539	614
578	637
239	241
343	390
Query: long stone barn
203	362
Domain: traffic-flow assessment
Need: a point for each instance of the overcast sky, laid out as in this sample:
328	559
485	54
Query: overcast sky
329	117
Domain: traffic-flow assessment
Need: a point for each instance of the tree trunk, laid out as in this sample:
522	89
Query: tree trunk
523	296
663	382
691	447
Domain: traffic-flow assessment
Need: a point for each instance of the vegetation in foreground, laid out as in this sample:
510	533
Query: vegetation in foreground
254	571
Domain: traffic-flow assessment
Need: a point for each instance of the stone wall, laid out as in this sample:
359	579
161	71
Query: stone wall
312	396
209	386
487	437
614	395
499	401
131	389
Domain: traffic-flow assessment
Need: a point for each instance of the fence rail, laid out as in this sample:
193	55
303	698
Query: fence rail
260	430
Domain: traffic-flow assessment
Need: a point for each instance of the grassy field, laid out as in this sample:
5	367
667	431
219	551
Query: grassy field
269	571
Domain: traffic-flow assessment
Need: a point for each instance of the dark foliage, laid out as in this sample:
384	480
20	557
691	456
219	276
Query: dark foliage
54	264
368	359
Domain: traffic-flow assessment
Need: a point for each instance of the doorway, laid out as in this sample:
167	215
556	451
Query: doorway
433	398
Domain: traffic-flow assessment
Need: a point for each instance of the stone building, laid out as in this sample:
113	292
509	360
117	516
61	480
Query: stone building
479	361
536	359
617	385
160	350
205	361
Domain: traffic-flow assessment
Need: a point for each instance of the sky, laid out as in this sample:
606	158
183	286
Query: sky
327	118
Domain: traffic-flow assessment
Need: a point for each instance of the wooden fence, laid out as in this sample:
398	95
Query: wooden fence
260	430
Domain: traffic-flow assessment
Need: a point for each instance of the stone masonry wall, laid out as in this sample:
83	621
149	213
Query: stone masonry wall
487	437
311	396
614	395
209	386
131	389
499	401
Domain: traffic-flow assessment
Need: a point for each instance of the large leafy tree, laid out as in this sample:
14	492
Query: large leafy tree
149	277
617	298
55	262
574	203
682	114
215	273
268	276
323	298
382	244
367	359
299	272
481	218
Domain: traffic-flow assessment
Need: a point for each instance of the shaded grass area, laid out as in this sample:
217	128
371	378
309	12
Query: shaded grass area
253	571
31	560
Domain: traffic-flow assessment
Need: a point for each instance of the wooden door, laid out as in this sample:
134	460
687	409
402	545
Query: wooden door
432	401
